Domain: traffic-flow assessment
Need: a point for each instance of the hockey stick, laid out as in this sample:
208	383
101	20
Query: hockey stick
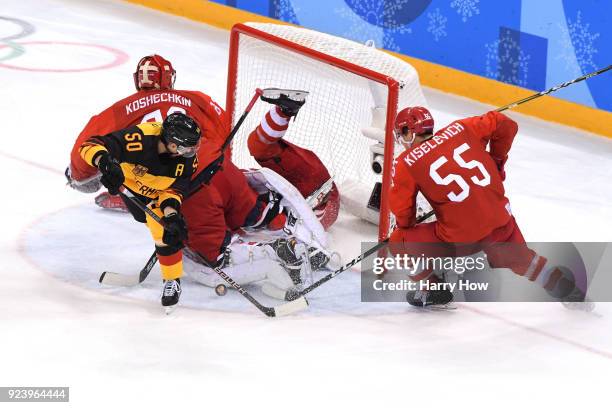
117	279
553	89
292	295
282	310
206	175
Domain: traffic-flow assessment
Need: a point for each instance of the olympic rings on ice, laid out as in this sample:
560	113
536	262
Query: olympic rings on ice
18	49
26	29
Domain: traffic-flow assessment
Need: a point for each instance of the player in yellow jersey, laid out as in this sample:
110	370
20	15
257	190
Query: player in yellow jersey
155	161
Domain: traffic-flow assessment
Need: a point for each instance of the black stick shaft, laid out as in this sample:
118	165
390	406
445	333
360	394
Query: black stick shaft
230	137
147	268
553	89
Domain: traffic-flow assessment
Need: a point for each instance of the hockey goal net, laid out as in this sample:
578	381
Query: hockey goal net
355	92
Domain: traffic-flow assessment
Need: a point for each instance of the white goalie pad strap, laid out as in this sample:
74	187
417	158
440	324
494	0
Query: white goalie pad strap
303	223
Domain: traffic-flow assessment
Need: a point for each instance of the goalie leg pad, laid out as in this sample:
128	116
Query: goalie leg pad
244	262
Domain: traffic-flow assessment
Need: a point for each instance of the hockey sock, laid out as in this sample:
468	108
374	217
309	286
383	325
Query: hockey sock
263	140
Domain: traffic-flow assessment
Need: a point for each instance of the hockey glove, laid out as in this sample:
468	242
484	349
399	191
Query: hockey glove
175	230
112	175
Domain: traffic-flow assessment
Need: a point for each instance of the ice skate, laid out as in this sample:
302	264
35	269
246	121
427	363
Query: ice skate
289	101
171	293
431	299
110	202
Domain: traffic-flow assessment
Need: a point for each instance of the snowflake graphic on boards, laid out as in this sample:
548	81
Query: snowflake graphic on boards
377	14
466	8
578	42
437	24
285	11
506	62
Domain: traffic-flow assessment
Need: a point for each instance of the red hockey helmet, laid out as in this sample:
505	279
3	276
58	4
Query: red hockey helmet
416	119
154	72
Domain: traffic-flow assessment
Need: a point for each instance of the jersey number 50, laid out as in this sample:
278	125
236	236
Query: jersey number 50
465	187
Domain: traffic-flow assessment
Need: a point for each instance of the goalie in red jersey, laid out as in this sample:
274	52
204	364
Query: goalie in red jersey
463	182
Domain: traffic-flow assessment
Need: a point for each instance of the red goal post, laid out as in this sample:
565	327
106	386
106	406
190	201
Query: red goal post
270	55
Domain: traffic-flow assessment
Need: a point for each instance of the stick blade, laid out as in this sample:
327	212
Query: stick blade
291	307
118	279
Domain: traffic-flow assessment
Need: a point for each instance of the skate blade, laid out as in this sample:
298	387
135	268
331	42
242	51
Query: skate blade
434	308
169	309
442	307
275	93
586	306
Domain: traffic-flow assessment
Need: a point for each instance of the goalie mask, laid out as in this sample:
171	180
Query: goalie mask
183	131
154	72
417	120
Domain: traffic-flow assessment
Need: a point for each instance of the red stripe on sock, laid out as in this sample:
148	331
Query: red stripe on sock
169	260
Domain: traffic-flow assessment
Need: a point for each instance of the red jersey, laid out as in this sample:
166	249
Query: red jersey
154	106
457	175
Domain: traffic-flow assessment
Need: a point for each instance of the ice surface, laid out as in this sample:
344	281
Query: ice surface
58	327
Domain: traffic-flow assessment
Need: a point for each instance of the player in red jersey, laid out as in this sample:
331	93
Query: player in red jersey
154	100
463	182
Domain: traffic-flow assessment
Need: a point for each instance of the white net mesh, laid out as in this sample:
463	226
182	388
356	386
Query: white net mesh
339	105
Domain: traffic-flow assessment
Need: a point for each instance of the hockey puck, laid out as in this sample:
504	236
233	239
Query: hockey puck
221	289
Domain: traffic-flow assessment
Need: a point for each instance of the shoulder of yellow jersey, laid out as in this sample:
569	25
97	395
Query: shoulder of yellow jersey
150	128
